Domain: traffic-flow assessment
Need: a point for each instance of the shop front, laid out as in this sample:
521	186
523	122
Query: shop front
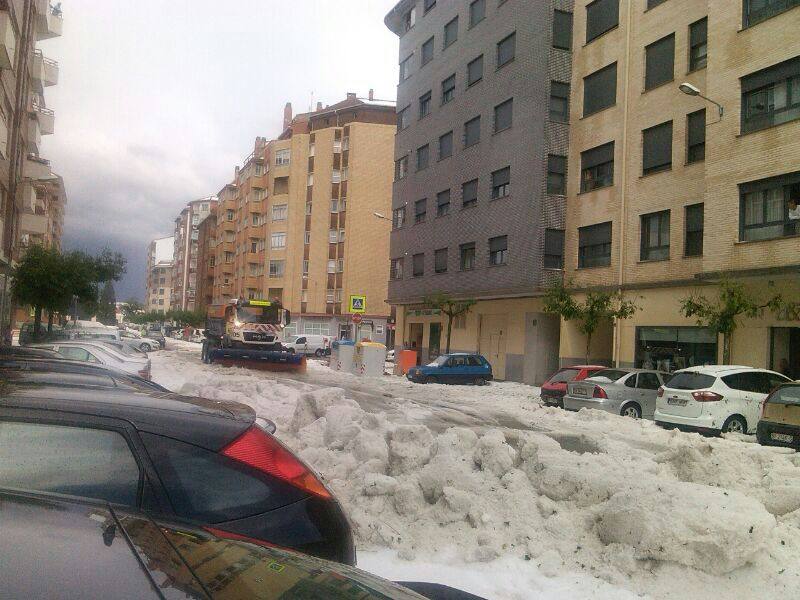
673	348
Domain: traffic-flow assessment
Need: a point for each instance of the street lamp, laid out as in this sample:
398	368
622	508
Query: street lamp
381	216
690	90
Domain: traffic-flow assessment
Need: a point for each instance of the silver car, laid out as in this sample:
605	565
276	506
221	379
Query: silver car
626	392
101	353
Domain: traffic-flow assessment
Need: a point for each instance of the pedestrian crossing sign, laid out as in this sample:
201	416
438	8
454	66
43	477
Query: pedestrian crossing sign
358	304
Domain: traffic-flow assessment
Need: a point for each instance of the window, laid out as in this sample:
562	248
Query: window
405	68
467	256
559	101
696	136
424	104
283	157
450	32
329	295
501	183
601	16
659	58
428	4
78	461
443	203
423	157
331	266
409	19
670	348
277	241
477	12
306	237
556	174
304	296
771	97
562	29
472	132
446	145
420	209
503	115
600	90
279	212
396	268
506	48
657	148
769	208
398	217
400	168
693	243
594	246
655	236
440	260
475	70
426	55
448	89
333	236
334	205
276	268
418	265
756	11
469	194
553	249
698	44
305	267
403	119
309	206
230	214
498	250
597	167
340	265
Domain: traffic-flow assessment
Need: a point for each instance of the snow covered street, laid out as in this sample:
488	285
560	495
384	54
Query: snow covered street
483	489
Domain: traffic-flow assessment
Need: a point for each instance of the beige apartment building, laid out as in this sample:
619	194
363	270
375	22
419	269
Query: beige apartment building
669	192
298	222
206	260
185	258
158	284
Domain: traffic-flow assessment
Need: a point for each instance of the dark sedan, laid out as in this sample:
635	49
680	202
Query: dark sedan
453	368
208	462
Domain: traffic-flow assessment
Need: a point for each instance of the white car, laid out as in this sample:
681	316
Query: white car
715	398
103	353
135	340
308	344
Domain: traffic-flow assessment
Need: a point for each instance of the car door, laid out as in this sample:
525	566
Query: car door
647	385
77	353
747	397
301	344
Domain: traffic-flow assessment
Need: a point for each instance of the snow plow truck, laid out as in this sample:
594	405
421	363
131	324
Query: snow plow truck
249	333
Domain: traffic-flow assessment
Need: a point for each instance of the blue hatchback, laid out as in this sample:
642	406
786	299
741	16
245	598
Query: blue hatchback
453	368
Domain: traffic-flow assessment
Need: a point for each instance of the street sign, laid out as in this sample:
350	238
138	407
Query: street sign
357	318
358	304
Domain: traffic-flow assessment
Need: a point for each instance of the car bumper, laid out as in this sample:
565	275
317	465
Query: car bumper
550	398
767	430
575	404
701	424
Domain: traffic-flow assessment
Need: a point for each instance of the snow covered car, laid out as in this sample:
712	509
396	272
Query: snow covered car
626	392
553	389
780	417
135	340
98	352
453	368
715	398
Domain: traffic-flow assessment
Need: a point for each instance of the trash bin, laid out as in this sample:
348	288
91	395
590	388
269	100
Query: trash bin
406	360
342	352
370	359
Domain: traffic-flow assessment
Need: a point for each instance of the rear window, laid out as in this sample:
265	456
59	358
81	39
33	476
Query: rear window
691	381
611	374
786	395
565	375
213	488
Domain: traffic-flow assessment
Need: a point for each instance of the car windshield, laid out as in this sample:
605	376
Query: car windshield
610	374
258	314
691	380
292	339
788	394
564	375
440	361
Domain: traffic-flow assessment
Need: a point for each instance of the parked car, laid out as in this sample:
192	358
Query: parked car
453	368
553	389
64	548
26	335
780	417
157	335
208	462
626	392
26	352
95	351
145	344
715	398
308	344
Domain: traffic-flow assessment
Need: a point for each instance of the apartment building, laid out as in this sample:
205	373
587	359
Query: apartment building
184	267
158	283
684	169
480	163
24	117
206	260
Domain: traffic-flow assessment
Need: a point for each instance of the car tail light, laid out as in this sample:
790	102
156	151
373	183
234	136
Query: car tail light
263	452
599	392
706	396
660	392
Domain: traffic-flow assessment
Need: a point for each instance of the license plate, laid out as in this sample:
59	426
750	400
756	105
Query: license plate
782	437
677	401
579	392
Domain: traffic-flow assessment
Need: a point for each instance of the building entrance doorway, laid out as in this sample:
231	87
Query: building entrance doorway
492	342
415	333
785	351
435	341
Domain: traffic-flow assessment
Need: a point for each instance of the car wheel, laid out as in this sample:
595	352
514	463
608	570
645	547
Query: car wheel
431	379
734	424
633	410
144	347
319	352
479	381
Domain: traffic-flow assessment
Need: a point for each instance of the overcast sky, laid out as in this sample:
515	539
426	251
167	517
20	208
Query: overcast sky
158	100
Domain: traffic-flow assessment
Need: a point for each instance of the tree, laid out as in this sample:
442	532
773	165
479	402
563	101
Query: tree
40	281
107	309
599	307
109	266
721	315
451	307
130	308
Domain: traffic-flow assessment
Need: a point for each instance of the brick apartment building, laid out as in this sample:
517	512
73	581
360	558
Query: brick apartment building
158	284
206	260
185	259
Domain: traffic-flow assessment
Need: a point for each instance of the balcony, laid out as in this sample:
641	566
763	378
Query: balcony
34	136
33	224
43	72
46	118
26	198
8	42
36	168
49	22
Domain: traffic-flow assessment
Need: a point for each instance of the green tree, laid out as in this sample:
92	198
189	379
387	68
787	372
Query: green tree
40	281
130	308
107	309
450	307
721	315
109	266
598	308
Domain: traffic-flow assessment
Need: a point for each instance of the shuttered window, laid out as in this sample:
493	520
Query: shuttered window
472	131
475	71
443	203
698	44
446	145
562	29
659	62
418	265
693	244
450	32
601	16
655	236
440	260
594	245
506	49
556	174
657	148
426	55
553	249
503	115
696	136
498	250
501	183
559	101
597	167
469	194
600	90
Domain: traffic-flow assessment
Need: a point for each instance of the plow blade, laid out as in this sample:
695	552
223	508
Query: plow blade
265	360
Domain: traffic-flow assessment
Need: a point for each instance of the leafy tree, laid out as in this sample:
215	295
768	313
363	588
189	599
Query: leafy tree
451	307
109	266
40	281
130	308
722	314
107	309
599	307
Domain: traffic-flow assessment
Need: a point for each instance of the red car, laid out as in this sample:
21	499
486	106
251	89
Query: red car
553	389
